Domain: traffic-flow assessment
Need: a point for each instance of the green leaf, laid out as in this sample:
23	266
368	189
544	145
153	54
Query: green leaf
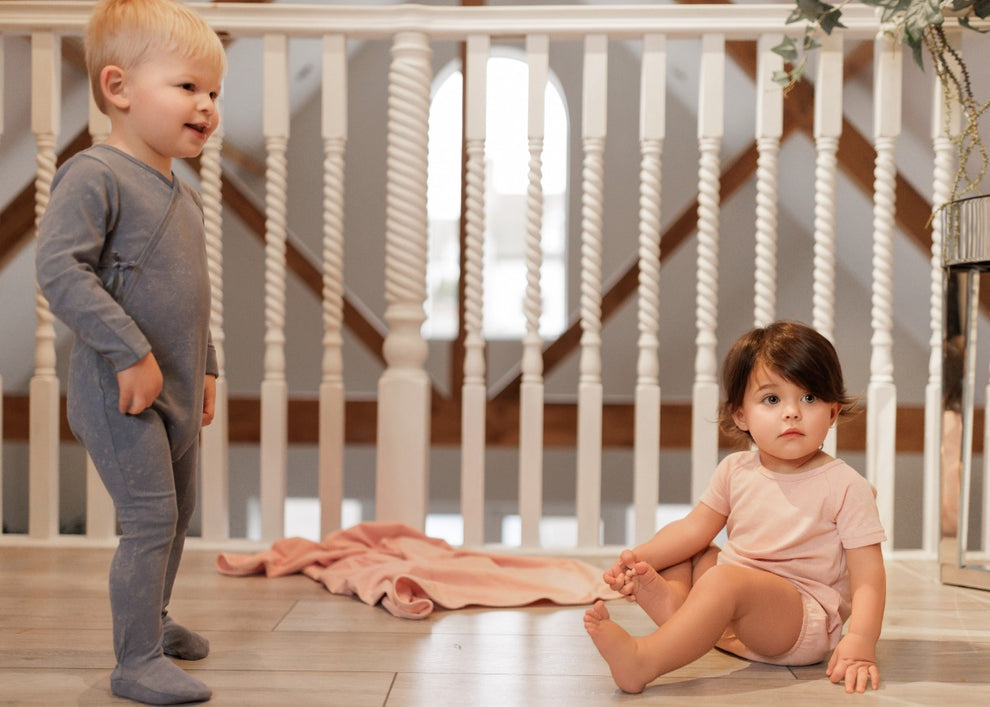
919	15
782	78
813	10
831	21
787	49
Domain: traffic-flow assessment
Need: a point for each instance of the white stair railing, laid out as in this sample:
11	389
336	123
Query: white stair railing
404	390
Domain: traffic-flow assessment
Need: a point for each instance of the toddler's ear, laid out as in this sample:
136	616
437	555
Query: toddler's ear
113	84
740	420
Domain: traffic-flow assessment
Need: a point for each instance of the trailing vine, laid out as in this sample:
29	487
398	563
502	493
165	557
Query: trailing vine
919	25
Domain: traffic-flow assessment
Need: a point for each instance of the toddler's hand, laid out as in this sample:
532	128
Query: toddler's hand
617	576
139	385
209	399
854	663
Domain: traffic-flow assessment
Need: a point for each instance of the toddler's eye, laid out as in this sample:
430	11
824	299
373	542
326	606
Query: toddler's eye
809	398
771	400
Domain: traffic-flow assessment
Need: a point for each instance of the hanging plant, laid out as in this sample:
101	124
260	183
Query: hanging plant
917	24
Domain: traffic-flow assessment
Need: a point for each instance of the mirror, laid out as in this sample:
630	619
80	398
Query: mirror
963	509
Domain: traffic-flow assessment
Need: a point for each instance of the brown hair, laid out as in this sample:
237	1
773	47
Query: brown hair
123	32
794	351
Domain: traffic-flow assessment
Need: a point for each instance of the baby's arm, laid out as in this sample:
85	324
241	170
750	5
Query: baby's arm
854	660
139	385
672	544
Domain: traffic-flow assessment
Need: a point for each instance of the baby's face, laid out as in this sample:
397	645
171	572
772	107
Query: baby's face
171	107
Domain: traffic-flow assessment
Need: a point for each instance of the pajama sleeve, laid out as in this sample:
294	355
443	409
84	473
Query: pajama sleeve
71	237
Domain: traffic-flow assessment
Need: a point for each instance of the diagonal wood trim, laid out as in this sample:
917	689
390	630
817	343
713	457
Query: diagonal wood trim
356	317
17	219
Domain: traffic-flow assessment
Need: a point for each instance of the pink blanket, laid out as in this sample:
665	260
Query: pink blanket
410	572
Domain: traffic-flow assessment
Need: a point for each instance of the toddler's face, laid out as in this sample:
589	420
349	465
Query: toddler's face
172	107
787	422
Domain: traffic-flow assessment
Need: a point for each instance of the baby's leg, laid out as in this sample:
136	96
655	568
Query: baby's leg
661	593
618	648
765	611
177	640
134	461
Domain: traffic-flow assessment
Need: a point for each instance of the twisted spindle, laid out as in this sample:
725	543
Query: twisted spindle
275	271
648	312
823	297
333	259
44	352
706	305
884	184
765	299
474	361
405	249
592	208
210	187
532	360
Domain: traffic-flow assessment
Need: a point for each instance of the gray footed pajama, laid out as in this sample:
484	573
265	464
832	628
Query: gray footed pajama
122	261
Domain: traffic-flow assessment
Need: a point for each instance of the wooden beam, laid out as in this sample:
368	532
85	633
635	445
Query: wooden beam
560	423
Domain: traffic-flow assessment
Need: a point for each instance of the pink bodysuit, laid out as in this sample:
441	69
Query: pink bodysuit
798	527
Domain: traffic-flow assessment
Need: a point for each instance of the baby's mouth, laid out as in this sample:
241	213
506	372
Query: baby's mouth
197	128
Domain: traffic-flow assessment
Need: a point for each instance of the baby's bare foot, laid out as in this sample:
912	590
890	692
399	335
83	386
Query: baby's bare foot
653	593
617	647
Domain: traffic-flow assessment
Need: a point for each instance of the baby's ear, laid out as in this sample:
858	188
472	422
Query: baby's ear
836	411
113	85
740	420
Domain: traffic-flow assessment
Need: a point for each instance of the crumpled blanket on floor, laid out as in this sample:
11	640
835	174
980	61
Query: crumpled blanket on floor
410	573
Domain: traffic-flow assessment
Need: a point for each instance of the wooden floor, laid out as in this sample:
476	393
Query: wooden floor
288	641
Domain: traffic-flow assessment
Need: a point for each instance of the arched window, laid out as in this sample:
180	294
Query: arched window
507	175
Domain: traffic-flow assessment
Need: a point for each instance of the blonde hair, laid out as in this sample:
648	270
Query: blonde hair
123	32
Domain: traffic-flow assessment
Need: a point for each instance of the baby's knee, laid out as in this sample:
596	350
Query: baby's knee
720	580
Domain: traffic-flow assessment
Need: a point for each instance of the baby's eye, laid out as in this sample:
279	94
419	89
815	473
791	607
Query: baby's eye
187	86
809	398
771	399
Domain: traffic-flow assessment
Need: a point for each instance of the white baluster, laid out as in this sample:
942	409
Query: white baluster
404	388
769	127
881	392
214	452
473	393
589	442
704	426
828	128
652	130
945	127
332	398
274	389
44	386
101	516
531	386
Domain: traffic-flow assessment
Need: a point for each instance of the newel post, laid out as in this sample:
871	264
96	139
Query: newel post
402	474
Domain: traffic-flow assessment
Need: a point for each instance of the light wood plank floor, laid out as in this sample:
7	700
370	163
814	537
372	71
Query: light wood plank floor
288	641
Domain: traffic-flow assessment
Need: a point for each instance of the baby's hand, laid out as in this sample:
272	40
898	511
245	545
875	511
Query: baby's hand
854	663
139	385
617	576
209	399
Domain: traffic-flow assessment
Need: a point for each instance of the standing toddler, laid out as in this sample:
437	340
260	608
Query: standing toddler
122	262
